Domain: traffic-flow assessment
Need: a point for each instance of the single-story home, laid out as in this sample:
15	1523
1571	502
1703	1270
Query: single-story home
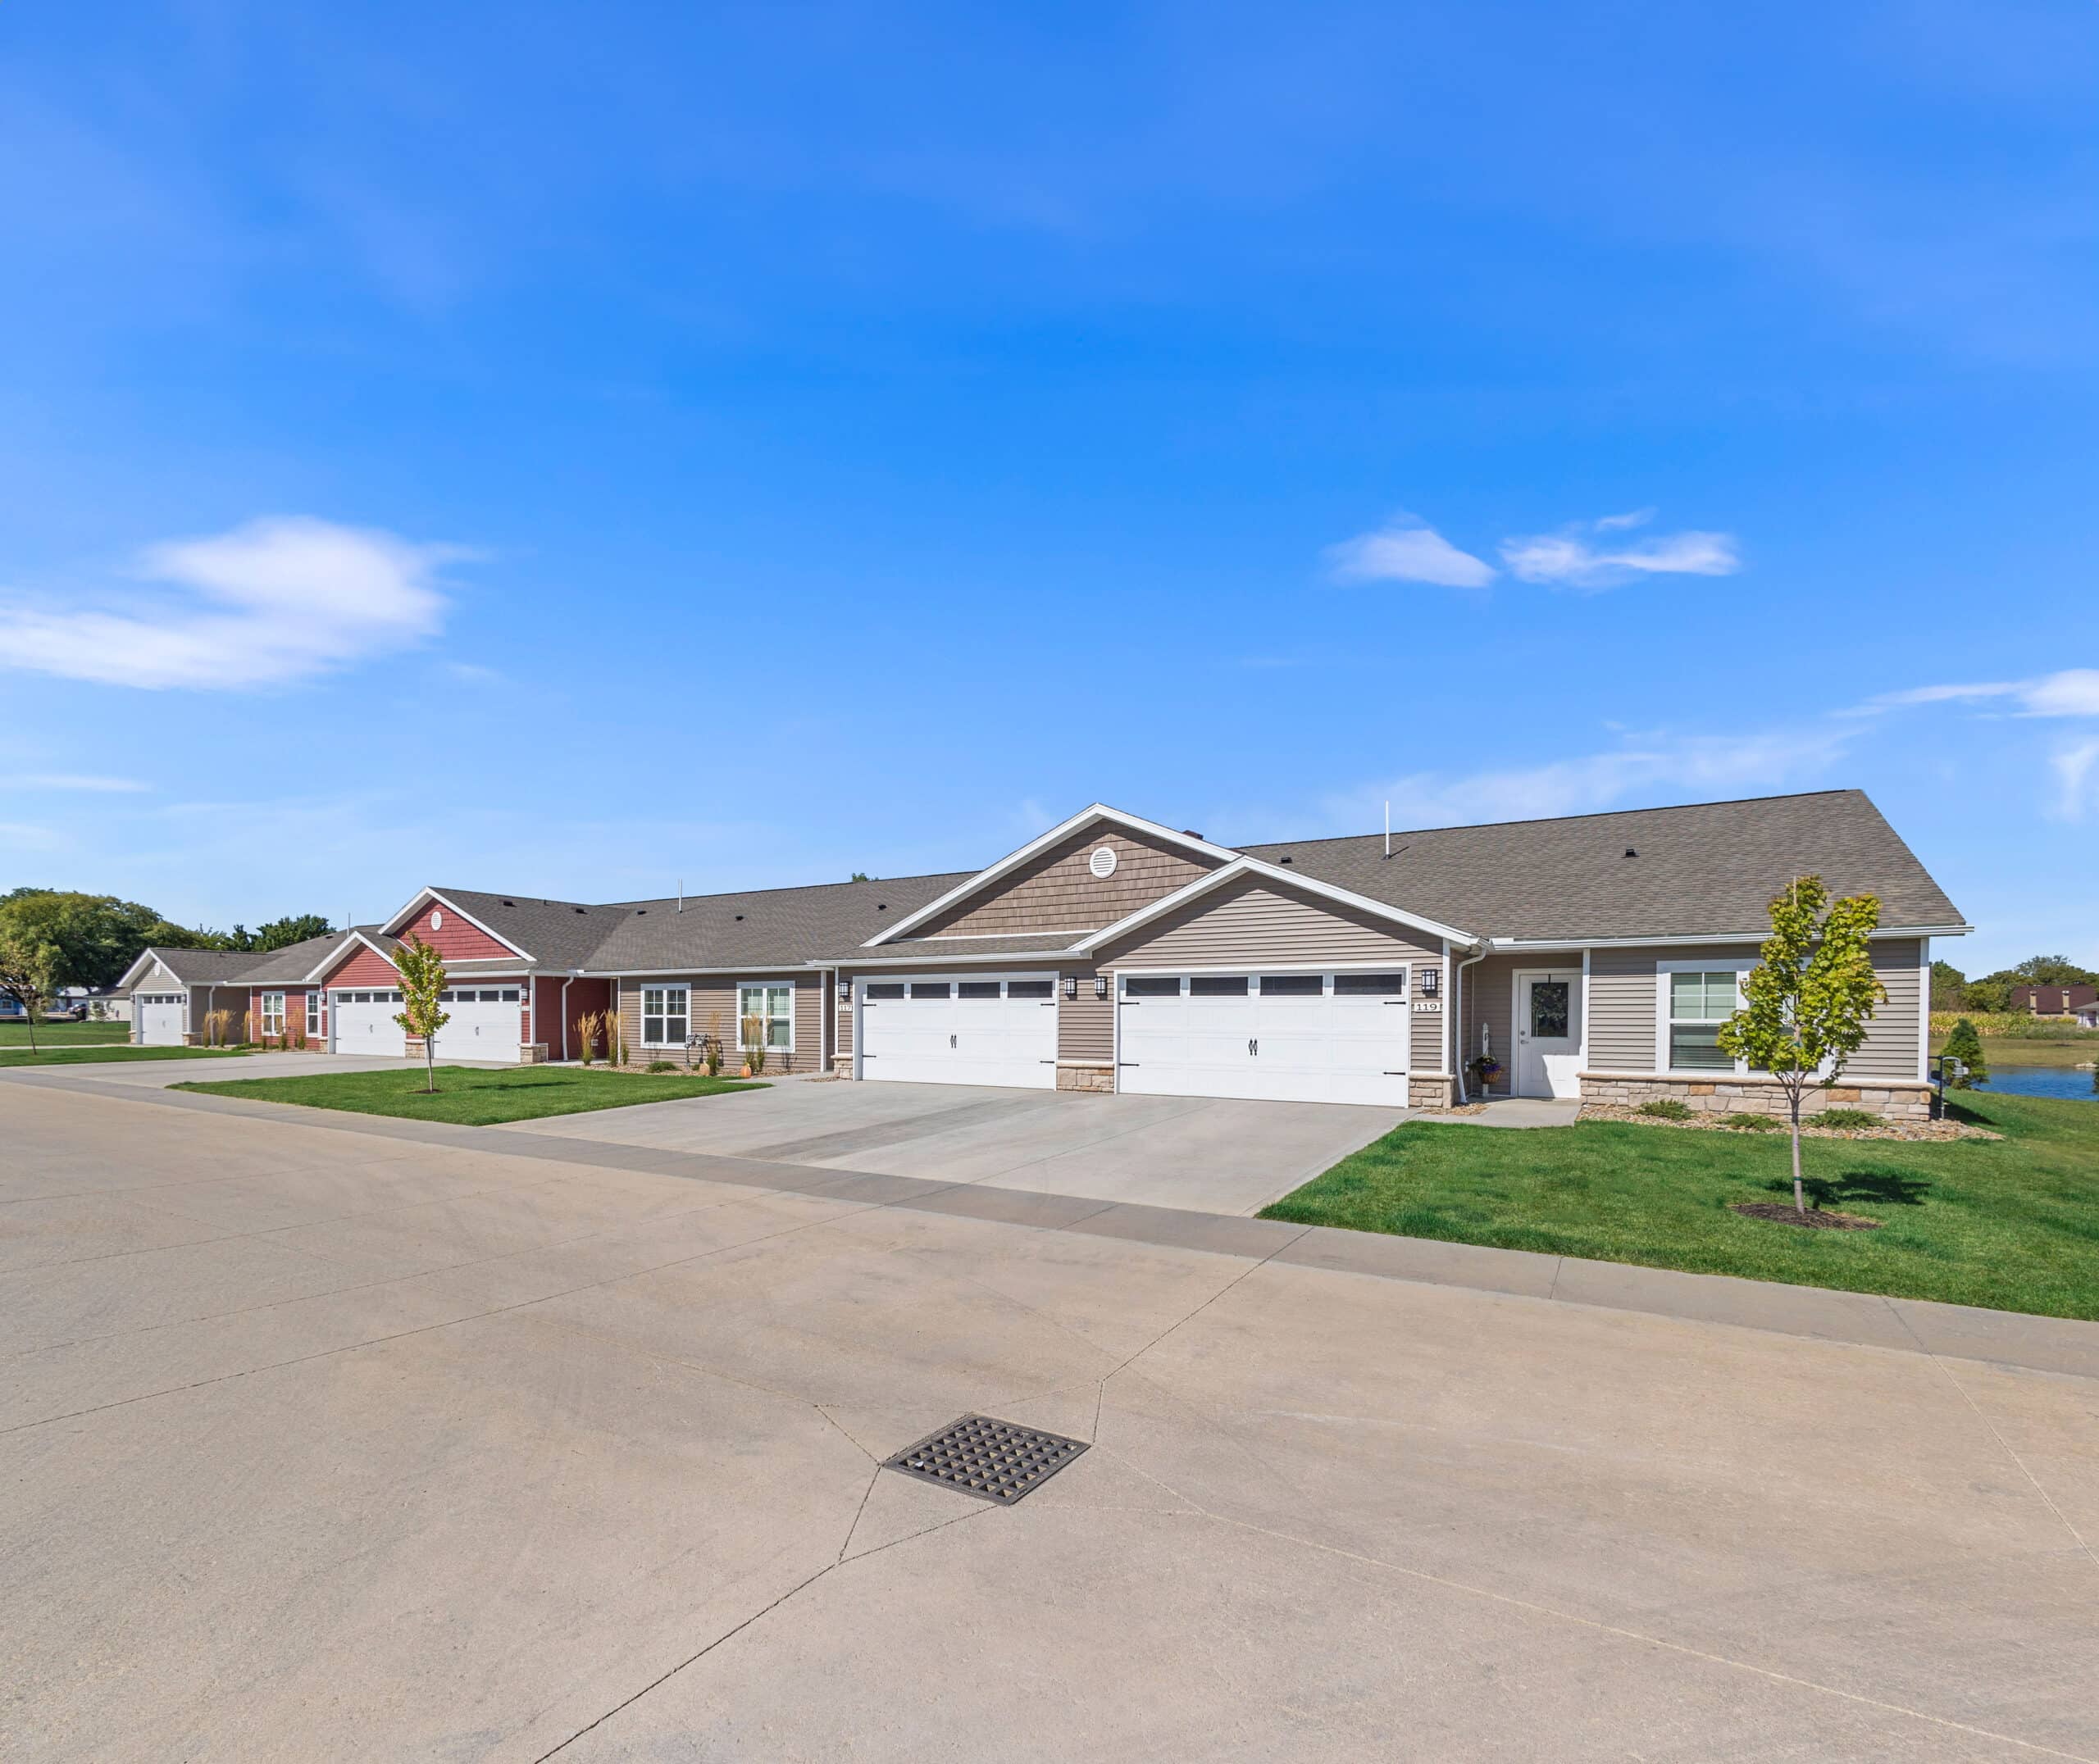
1591	955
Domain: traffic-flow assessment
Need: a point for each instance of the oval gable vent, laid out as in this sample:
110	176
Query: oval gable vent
1102	863
436	920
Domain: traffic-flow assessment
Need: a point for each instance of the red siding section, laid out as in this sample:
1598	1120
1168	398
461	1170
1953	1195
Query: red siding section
586	998
367	967
456	940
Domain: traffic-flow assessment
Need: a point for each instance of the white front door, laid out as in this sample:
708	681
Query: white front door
1549	1033
363	1021
949	1029
160	1017
482	1023
1283	1037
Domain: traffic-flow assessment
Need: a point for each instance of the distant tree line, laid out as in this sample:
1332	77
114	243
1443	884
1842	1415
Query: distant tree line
1952	990
90	940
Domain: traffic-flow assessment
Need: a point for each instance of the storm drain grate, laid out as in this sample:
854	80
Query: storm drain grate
996	1460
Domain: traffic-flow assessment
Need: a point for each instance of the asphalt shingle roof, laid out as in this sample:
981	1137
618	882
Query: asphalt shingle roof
1706	868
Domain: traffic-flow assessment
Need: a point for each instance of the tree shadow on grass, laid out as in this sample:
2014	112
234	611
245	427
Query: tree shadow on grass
1884	1187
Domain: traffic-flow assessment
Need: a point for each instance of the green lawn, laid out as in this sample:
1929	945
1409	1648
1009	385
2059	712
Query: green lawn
16	1035
472	1096
93	1054
2012	1224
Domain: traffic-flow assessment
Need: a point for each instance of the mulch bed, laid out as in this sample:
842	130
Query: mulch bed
1782	1212
1714	1123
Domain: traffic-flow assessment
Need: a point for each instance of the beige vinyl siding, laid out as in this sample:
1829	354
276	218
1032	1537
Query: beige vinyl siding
1890	1044
1055	890
713	1012
1085	1026
1625	1005
1490	995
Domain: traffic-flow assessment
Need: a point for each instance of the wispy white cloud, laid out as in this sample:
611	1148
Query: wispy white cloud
2073	777
473	673
21	836
1655	765
275	601
1571	557
1406	550
2070	692
68	781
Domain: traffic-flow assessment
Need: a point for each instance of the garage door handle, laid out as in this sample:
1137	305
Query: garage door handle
951	1041
1253	1046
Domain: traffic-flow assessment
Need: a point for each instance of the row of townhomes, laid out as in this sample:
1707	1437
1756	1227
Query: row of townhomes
1591	956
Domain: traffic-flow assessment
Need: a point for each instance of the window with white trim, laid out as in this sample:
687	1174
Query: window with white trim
665	1015
772	1003
1697	1001
273	1013
313	1012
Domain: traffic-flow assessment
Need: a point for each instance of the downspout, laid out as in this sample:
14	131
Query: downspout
1458	1017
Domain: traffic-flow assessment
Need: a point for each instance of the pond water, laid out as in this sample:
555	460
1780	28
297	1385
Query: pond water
2042	1081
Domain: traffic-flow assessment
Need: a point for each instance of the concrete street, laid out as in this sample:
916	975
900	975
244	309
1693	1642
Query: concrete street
328	1439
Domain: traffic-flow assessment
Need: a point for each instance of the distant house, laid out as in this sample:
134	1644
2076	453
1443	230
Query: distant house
2088	1017
2054	1001
86	1003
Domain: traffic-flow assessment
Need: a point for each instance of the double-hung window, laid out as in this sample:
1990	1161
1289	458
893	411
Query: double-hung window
771	1004
665	1015
313	1011
1695	1002
273	1013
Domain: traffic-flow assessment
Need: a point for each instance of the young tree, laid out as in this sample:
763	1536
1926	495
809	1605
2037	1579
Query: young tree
422	979
1964	1045
1810	996
29	969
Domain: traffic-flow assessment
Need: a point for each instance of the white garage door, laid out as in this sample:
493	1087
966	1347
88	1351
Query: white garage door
160	1017
981	1030
363	1022
1287	1038
483	1023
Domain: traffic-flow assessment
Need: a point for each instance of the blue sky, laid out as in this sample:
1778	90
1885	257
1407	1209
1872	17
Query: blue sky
571	451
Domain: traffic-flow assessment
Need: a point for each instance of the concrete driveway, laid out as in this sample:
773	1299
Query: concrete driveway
1217	1156
337	1443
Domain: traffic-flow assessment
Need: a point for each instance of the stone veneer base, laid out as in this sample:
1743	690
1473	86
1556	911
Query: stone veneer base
1896	1099
1099	1078
1428	1091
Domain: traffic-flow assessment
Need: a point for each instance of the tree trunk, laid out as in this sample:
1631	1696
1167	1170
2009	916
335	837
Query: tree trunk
1800	1199
429	1075
29	1017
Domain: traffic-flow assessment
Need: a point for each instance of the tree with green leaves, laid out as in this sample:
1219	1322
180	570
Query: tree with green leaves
1949	987
29	972
1964	1045
282	933
97	936
2049	970
422	985
1810	996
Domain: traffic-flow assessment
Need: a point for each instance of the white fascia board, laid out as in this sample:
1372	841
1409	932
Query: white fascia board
784	971
416	905
147	957
1254	866
1097	811
1498	944
335	956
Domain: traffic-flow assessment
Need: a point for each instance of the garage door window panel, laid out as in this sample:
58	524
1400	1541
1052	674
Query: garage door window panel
665	1015
1370	986
1030	988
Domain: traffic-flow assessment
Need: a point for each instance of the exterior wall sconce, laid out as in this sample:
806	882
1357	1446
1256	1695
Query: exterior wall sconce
1071	985
1426	981
1100	986
844	991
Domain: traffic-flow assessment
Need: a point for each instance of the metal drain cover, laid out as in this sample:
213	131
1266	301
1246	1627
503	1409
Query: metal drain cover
998	1460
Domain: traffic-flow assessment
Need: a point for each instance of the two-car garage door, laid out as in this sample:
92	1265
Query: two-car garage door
1292	1038
981	1030
485	1023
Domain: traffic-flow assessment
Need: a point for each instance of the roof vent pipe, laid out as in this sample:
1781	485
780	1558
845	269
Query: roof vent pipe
1388	827
681	893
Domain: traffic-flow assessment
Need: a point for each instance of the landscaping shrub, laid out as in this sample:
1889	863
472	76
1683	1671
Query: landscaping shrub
659	1065
1751	1123
1846	1117
1666	1108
